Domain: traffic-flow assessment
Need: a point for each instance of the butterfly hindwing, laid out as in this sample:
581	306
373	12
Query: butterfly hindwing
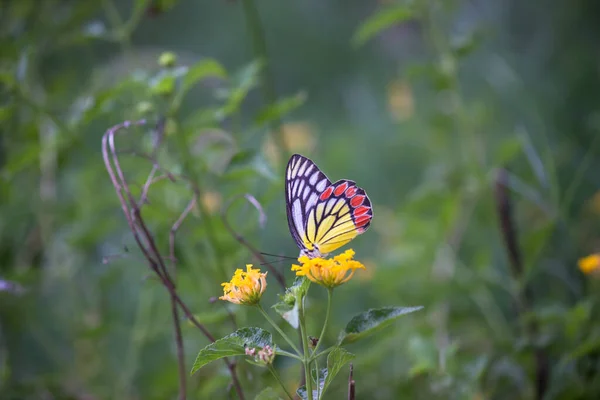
346	213
323	216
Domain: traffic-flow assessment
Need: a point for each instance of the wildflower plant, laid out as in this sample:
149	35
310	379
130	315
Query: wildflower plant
257	344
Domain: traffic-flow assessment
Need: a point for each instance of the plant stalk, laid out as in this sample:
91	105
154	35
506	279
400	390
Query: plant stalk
306	356
278	329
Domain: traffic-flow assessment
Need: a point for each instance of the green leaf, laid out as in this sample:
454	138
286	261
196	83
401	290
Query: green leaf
202	70
335	361
287	307
369	322
279	109
268	394
508	150
163	84
7	79
234	344
242	82
381	20
242	158
288	312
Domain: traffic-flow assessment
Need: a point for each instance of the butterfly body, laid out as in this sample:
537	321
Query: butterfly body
323	216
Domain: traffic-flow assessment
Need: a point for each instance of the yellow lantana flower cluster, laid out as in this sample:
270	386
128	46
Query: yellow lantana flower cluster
245	287
330	272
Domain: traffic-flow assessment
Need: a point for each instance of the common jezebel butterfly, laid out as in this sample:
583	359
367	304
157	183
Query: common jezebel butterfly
323	216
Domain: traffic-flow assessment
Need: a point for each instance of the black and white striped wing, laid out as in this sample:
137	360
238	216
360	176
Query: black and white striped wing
304	183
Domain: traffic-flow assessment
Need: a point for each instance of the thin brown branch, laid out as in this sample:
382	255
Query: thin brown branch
145	241
180	352
241	240
509	234
351	384
524	296
176	226
146	188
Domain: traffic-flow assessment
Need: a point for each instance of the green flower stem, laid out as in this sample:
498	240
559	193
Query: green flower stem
318	378
287	354
326	322
306	359
269	320
326	351
314	355
274	373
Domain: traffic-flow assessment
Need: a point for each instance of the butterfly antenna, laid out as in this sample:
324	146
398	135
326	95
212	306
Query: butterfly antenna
277	255
272	262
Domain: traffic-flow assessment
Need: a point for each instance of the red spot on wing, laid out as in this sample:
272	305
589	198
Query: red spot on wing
357	200
362	220
351	191
360	211
326	194
340	189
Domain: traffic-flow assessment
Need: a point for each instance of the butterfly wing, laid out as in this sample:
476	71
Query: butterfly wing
323	216
304	183
342	213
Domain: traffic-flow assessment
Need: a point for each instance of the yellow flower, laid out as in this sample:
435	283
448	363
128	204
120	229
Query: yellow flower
245	287
329	272
590	264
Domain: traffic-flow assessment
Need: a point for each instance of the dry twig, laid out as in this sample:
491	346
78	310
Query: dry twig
146	243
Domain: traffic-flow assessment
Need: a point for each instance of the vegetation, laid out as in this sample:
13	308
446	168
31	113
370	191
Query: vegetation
142	160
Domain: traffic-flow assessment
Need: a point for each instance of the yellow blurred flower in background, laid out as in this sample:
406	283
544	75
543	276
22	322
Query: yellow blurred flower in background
297	137
245	287
590	264
595	203
330	272
400	100
212	201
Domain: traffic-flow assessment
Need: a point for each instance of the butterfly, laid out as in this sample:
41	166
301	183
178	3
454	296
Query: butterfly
323	216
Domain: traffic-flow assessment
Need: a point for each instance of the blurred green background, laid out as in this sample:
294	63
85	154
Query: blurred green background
423	103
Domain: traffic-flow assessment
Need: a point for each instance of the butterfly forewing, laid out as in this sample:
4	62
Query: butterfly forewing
304	182
323	216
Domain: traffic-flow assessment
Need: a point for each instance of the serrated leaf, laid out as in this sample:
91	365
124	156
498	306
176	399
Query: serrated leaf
335	361
379	21
202	70
369	322
234	344
280	108
268	394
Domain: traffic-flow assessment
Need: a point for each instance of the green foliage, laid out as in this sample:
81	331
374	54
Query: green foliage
234	344
268	394
337	359
381	20
288	307
369	322
422	103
